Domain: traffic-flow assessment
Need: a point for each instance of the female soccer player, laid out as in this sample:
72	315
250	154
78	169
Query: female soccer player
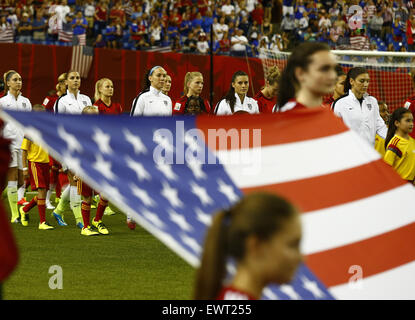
14	100
152	101
167	85
37	161
236	99
193	86
72	102
55	166
307	78
399	145
262	233
267	96
358	109
339	88
104	90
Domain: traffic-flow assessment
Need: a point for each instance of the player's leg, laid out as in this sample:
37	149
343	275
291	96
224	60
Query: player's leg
42	181
97	222
12	186
86	193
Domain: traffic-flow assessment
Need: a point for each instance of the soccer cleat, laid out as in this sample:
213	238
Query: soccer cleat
24	217
59	219
102	229
57	200
22	202
49	206
131	224
108	211
80	225
88	232
16	221
45	226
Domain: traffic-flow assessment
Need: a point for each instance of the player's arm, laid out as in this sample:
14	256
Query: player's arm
381	128
392	154
25	147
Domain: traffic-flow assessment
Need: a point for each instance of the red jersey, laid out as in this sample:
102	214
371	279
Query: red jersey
180	104
230	293
49	102
265	105
114	108
410	105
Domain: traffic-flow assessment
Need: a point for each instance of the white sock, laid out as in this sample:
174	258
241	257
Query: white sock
21	191
76	201
49	192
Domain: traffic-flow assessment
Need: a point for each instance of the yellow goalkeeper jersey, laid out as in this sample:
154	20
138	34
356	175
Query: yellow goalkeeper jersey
34	152
380	145
400	154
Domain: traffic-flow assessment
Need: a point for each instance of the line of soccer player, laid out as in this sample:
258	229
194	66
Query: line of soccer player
311	74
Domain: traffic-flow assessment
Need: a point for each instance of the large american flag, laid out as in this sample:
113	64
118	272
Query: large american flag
82	57
357	213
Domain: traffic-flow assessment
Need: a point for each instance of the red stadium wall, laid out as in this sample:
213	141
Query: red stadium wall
40	66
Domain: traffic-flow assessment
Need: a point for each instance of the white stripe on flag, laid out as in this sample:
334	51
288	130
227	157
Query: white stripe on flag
80	61
358	220
334	156
387	285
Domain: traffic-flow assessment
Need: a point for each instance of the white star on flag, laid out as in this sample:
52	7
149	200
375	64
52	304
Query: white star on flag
312	287
196	166
102	140
289	291
112	191
228	191
104	167
203	217
191	242
74	163
152	217
192	143
71	140
166	170
135	141
138	168
142	195
201	193
163	141
180	221
171	195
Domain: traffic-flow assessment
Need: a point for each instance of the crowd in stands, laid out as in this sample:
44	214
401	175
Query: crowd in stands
240	26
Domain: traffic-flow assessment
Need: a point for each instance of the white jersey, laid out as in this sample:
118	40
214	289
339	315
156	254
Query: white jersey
363	118
68	103
10	131
151	103
249	105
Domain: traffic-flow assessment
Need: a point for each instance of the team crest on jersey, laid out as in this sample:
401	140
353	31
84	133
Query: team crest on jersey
85	103
165	102
250	106
177	106
24	105
369	106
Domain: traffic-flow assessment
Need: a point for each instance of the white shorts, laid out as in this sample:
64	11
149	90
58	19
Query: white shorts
16	158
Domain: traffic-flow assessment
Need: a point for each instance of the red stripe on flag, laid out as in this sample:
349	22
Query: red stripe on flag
328	190
276	128
375	255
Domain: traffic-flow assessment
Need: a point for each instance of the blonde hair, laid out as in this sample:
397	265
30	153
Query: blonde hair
98	85
189	77
6	77
273	74
63	76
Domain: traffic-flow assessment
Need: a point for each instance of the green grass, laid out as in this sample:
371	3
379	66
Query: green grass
126	264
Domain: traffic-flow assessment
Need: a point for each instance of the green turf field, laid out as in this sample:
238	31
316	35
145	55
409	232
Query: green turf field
126	264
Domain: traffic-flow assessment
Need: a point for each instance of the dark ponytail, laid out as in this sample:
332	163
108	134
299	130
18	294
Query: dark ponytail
353	74
288	84
230	95
397	115
257	214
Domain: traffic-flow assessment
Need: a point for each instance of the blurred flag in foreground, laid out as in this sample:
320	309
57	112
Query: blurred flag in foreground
172	174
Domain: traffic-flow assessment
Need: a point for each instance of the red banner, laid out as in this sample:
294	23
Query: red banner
40	65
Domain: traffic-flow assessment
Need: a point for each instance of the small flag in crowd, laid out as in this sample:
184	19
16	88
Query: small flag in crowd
65	36
357	213
6	34
82	57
